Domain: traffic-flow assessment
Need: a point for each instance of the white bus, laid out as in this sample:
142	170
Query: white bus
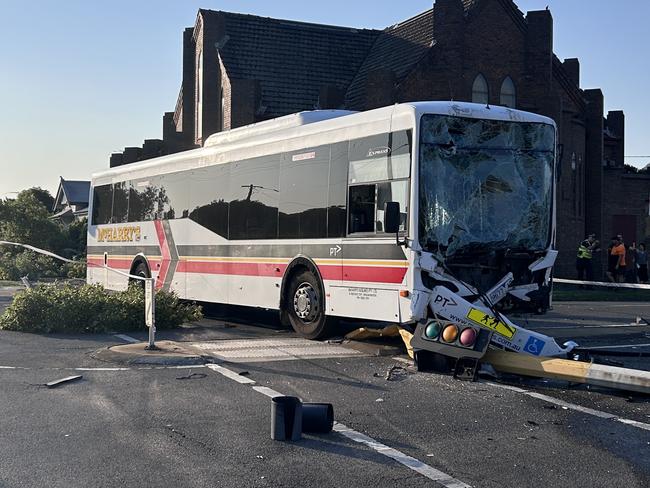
290	214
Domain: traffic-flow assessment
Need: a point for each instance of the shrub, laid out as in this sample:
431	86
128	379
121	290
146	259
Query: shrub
74	270
92	309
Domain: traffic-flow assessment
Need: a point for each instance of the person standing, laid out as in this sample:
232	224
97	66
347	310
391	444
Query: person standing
642	263
618	255
585	255
630	261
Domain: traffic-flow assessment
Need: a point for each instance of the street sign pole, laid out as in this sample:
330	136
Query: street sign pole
150	311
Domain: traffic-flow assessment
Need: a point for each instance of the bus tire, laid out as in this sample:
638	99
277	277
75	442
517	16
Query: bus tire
142	270
305	306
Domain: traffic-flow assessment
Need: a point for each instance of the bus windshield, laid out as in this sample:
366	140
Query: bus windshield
485	185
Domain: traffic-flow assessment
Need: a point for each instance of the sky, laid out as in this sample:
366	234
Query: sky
81	79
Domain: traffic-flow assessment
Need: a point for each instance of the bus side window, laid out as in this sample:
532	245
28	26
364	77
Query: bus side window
102	204
392	191
362	209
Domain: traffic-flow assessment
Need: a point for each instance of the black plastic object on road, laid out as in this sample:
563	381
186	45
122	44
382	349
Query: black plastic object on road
317	418
286	418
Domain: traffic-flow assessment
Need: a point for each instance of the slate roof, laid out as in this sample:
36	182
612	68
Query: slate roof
76	193
397	48
291	60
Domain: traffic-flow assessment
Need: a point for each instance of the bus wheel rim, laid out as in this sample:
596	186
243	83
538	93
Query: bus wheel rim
305	302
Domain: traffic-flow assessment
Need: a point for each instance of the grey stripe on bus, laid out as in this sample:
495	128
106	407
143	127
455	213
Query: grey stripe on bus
173	254
125	250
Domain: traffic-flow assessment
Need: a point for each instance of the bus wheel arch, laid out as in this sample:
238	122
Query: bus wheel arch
303	301
140	267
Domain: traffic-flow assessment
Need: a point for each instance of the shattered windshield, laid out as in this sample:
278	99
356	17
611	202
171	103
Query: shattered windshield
485	184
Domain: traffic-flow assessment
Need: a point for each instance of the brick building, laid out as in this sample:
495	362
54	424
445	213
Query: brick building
240	69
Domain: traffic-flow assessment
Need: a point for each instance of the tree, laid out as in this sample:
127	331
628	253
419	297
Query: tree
26	220
43	196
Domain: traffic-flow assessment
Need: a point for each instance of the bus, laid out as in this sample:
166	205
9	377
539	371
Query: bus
335	214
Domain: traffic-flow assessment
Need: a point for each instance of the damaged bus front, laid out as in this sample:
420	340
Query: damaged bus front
486	203
485	225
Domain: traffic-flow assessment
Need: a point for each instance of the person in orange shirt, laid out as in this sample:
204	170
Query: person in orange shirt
618	251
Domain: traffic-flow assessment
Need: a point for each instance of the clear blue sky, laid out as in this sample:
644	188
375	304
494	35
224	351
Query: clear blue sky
80	79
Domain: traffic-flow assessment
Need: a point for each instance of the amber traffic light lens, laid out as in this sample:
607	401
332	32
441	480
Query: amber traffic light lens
450	333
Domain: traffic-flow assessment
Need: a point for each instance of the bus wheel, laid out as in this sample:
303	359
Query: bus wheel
306	307
141	270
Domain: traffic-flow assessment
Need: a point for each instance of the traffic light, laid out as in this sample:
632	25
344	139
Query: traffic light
451	339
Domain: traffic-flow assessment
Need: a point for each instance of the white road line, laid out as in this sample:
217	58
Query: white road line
127	338
619	347
269	392
102	369
573	406
7	367
231	374
408	461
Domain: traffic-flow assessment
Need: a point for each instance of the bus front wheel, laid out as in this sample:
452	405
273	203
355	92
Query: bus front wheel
306	307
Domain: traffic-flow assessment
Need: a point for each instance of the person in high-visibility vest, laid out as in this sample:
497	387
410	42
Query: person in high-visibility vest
585	256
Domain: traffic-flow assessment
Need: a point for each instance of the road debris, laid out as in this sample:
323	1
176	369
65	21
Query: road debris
68	379
396	373
192	376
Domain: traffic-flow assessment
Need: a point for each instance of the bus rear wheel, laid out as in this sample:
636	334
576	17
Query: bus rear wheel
306	307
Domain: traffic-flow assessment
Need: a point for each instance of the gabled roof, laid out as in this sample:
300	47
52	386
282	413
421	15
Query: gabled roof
291	60
72	192
398	48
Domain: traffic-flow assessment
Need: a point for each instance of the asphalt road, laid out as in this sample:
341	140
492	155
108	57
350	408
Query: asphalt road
151	426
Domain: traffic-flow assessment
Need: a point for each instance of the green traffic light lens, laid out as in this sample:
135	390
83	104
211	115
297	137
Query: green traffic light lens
432	331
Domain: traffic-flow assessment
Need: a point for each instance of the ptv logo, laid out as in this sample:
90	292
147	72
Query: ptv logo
445	301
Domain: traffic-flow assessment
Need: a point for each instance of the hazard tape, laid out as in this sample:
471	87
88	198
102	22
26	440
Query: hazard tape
66	260
602	283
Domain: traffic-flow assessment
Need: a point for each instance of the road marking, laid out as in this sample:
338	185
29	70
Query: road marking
602	326
231	374
269	392
145	368
279	349
573	406
619	347
408	461
102	369
126	338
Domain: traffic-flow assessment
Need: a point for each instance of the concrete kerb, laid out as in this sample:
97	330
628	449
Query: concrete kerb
169	353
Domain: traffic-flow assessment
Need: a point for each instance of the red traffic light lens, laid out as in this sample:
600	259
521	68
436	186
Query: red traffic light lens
468	337
450	333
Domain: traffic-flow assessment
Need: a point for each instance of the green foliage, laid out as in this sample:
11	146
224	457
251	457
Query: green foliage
43	196
26	220
74	270
92	309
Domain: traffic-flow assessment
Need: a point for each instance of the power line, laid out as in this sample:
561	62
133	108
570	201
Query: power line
637	156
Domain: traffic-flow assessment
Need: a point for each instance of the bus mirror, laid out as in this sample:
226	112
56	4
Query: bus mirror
391	217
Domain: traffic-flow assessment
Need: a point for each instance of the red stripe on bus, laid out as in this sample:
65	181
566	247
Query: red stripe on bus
243	269
371	274
164	250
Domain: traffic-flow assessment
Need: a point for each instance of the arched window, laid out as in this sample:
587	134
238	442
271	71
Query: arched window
480	90
508	93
